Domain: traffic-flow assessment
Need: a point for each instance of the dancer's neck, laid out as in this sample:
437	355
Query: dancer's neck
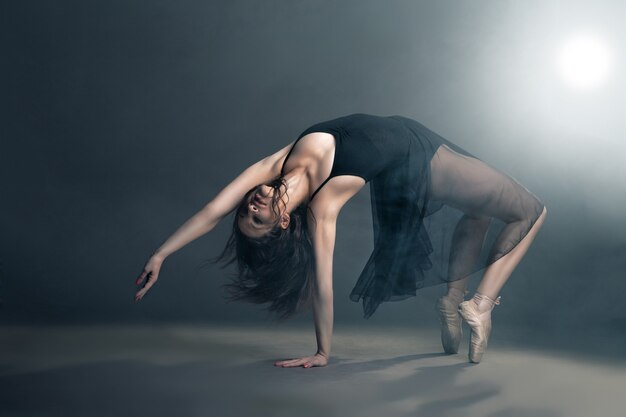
297	188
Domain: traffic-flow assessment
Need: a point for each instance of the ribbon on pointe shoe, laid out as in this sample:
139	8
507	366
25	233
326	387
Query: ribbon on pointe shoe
491	302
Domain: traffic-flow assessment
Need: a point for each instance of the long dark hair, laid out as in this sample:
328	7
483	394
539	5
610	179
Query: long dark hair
277	268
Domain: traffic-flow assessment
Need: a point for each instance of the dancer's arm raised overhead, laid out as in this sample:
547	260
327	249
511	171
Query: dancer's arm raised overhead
210	215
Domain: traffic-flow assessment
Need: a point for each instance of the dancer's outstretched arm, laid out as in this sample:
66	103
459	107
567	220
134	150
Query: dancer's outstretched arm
209	216
323	233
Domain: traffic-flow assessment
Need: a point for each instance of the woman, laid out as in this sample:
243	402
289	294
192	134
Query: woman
435	209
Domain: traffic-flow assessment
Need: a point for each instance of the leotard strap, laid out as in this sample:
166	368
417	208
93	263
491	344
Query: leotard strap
282	169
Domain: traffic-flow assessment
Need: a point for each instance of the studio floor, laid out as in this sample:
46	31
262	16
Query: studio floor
216	371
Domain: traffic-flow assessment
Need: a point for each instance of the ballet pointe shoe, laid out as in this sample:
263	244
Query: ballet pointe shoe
477	313
451	325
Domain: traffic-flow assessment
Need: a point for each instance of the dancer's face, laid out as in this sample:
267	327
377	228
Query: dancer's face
257	216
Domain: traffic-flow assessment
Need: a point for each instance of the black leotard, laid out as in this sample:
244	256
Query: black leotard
364	145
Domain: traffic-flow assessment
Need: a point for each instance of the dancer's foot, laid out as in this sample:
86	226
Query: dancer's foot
477	313
451	329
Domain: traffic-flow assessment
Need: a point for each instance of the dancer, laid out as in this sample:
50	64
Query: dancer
439	215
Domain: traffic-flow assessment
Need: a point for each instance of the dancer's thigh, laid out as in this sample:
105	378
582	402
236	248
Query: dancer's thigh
472	186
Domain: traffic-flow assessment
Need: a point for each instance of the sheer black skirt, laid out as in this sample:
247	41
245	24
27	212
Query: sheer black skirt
441	216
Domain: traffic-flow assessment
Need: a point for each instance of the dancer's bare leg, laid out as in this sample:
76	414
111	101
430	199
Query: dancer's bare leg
467	242
469	185
498	273
477	311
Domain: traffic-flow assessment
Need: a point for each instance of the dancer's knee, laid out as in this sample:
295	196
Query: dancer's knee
540	211
529	215
541	217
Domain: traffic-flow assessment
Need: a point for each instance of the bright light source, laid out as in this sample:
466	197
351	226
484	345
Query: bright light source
585	62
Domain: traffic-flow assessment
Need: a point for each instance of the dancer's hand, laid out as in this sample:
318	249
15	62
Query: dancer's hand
150	270
308	362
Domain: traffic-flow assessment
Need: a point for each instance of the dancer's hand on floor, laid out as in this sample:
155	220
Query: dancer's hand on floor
307	362
150	270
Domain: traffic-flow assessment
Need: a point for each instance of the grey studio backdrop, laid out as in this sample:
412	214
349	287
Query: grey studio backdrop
121	119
